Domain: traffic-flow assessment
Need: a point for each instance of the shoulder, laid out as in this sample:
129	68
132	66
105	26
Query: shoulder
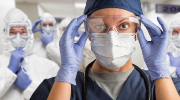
42	92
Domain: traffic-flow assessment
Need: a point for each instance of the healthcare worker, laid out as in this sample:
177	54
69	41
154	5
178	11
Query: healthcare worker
20	71
112	26
88	55
48	45
173	58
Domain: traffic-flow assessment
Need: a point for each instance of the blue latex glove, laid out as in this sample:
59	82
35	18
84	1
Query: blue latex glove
34	29
175	62
155	51
79	33
23	80
46	38
71	53
17	56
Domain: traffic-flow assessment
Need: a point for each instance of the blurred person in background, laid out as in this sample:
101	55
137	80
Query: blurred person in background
20	71
173	58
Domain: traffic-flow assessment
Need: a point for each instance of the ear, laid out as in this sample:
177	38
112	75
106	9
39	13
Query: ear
89	38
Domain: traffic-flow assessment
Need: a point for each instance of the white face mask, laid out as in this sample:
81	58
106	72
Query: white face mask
112	50
48	29
18	41
176	40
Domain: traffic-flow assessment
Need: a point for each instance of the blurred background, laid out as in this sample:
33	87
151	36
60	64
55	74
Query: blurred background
61	9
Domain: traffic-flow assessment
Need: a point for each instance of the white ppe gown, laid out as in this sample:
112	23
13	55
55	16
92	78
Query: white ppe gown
38	69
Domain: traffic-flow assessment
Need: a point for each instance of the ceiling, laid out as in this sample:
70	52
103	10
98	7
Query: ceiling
66	8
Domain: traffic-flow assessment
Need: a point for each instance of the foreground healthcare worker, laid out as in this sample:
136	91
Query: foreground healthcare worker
112	26
88	55
173	58
48	45
20	71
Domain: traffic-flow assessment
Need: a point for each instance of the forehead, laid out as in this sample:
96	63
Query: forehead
18	27
111	11
178	28
47	22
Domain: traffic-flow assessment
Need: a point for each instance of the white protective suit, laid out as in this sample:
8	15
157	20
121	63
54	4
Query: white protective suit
51	51
88	55
174	22
37	67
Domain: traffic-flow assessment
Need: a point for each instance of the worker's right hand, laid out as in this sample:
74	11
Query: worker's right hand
71	53
17	57
34	29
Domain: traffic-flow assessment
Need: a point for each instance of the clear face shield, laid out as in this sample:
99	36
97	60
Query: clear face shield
18	37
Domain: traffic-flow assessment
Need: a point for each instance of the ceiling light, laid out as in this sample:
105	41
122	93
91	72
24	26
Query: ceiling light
80	5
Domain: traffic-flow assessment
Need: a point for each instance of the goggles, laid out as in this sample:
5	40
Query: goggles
23	33
119	24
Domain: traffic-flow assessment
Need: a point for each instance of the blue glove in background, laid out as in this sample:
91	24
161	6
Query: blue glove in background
34	29
175	62
23	80
155	51
71	53
46	38
17	56
79	33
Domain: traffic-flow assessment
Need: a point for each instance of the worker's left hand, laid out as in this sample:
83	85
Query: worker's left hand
46	38
155	51
23	80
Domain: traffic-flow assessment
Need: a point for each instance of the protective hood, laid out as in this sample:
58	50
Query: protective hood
16	16
173	23
49	17
64	23
130	5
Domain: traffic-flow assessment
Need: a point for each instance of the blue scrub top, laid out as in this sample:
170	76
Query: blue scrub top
133	89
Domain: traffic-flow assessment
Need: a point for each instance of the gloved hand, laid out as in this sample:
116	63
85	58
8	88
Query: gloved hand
175	62
23	80
34	29
46	38
71	53
155	51
79	33
17	57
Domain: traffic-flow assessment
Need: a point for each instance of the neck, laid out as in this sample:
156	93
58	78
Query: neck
98	67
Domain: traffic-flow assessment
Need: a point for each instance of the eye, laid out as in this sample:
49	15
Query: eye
175	33
124	26
100	27
12	32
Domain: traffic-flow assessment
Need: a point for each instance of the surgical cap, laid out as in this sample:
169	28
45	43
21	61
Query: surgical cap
133	6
